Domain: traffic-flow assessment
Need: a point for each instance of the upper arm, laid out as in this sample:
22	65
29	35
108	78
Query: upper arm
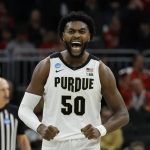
110	91
39	77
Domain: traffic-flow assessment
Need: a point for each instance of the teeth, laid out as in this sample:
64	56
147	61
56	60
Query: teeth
76	42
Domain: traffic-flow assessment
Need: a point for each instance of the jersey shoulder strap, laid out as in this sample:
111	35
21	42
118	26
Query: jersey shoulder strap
54	54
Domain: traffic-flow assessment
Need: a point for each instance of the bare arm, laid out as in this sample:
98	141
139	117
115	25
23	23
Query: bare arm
39	77
33	95
31	99
23	142
113	99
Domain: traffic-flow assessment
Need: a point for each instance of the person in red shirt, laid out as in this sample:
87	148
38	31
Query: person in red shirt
49	41
6	36
139	71
141	97
111	33
125	87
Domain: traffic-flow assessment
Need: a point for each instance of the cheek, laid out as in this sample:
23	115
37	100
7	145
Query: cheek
86	38
66	39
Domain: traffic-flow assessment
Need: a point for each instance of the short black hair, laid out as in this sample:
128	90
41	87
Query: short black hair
76	16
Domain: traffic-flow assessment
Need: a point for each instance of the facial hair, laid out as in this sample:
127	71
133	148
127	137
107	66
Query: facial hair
83	47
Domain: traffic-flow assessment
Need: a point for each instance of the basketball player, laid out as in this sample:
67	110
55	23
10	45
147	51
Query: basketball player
72	83
11	128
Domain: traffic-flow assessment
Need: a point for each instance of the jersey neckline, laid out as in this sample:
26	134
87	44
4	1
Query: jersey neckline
75	68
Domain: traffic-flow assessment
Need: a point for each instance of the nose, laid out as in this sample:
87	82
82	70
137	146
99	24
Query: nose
76	34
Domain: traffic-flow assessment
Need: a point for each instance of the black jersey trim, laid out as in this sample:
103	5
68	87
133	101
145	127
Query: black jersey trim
54	54
94	57
75	68
58	54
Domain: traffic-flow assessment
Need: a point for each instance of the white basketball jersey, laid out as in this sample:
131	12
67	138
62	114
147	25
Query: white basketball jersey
72	97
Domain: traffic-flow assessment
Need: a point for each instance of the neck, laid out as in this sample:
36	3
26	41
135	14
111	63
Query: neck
74	61
2	105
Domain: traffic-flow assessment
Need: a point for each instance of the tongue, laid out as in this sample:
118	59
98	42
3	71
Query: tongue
76	48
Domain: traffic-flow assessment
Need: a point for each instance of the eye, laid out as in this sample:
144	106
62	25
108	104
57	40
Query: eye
70	31
83	31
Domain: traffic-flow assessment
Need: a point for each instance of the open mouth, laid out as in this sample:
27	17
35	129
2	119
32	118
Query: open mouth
76	44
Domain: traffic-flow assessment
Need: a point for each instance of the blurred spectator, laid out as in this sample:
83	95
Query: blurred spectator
111	33
141	97
144	35
137	145
91	7
146	4
3	10
126	75
21	42
138	70
6	21
124	86
50	41
50	10
12	129
64	10
20	9
131	17
113	8
5	37
139	112
107	141
35	29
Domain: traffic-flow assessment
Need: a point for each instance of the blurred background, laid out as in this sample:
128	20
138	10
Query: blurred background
28	33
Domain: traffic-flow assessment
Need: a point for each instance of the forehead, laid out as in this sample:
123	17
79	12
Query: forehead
3	83
76	25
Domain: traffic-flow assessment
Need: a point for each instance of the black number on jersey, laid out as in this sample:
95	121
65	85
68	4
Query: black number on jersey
68	107
79	105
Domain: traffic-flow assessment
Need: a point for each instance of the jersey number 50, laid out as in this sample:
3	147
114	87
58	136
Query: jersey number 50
79	105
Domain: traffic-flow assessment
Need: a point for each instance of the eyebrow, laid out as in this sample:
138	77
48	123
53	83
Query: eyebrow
77	29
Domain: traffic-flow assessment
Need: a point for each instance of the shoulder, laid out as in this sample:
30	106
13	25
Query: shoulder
39	76
42	69
55	54
106	75
104	69
94	57
44	65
